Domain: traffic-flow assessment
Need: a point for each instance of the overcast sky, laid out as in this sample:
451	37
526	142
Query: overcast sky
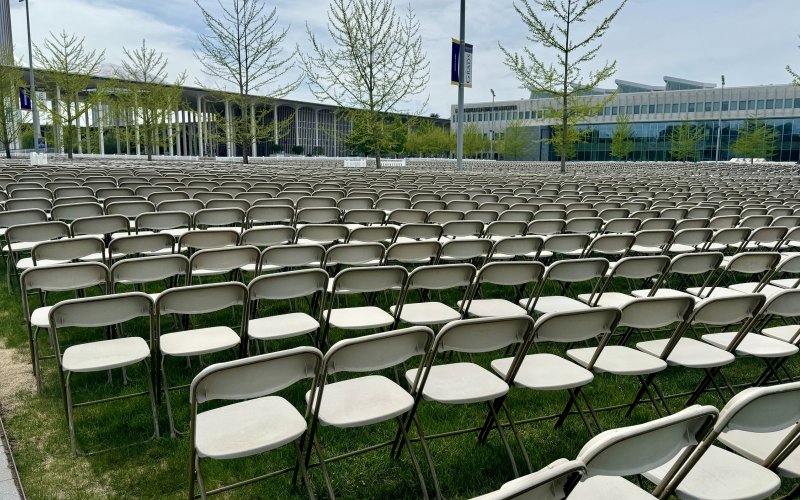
749	41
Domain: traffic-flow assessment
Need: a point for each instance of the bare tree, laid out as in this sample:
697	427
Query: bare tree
566	80
243	53
10	83
794	74
69	68
374	65
143	75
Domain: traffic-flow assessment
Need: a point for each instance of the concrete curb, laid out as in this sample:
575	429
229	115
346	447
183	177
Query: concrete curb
10	484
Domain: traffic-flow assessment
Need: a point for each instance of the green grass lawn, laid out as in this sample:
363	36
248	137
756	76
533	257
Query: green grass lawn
159	468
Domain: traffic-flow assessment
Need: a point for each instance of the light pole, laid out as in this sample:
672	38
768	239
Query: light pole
461	65
491	131
719	124
34	107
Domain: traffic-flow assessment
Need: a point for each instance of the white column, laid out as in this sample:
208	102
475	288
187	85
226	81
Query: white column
228	140
78	126
178	135
58	131
199	126
275	123
296	126
170	137
253	128
316	130
100	139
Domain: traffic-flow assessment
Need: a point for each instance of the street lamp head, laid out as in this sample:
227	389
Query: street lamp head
723	79
492	91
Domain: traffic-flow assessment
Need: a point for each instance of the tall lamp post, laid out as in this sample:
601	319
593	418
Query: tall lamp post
719	123
491	130
34	107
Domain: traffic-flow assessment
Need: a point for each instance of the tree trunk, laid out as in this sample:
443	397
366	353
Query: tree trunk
8	150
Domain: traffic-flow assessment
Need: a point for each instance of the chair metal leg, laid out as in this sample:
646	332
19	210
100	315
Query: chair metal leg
663	399
414	461
503	438
303	471
652	399
200	483
324	467
642	390
590	408
519	439
70	416
165	388
192	472
152	394
566	410
428	458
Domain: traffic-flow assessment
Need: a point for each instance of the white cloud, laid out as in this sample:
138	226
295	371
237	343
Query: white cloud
750	42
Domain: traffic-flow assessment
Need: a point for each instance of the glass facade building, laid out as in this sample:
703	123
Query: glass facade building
653	111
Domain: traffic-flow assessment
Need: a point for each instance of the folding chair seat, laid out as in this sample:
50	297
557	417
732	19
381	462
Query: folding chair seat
61	278
290	285
565	273
753	424
650	313
280	257
647	267
21	239
461	383
226	260
680	350
187	341
637	449
752	264
522	277
425	280
550	372
369	398
253	384
109	311
363	280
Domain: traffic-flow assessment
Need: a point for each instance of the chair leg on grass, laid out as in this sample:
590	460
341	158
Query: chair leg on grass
503	438
324	467
303	471
644	383
428	457
70	416
152	395
414	461
519	439
591	410
165	388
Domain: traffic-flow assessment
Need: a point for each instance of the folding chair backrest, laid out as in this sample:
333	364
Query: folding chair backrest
721	311
695	263
561	243
64	277
293	255
208	239
256	376
186	206
641	267
518	245
288	285
268	236
656	312
17	217
369	234
377	351
553	482
639	448
103	310
218	217
762	409
37	231
198	299
149	269
224	259
412	251
103	224
568	271
466	249
354	254
754	262
163	220
483	334
141	243
785	303
576	326
510	273
370	279
67	249
76	211
440	277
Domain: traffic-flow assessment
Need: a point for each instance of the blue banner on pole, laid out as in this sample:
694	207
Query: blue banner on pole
24	98
454	66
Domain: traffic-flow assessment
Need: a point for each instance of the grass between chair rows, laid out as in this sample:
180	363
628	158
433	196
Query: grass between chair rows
159	468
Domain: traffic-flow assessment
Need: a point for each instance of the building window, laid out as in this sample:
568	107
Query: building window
614	110
778	103
725	106
751	104
797	102
637	109
691	107
675	107
760	104
742	105
734	105
629	110
708	106
770	103
651	108
660	108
